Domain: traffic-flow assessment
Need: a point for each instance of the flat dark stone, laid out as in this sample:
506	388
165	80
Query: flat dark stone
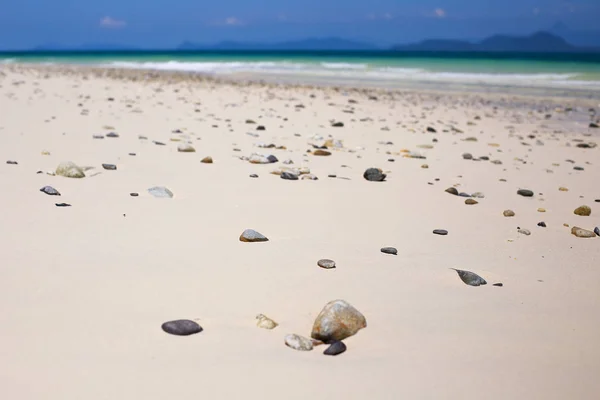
332	176
335	348
181	327
110	167
326	263
132	154
594	125
272	159
578	168
112	135
463	194
442	232
484	158
452	190
133	194
260	128
63	205
431	130
289	176
389	250
11	162
253	176
49	190
470	278
98	136
374	175
158	143
499	284
597	231
391	160
542	224
525	192
337	124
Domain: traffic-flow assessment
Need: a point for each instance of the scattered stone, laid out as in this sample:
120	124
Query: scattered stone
321	153
337	124
69	169
541	209
525	192
583	211
431	130
134	194
578	168
249	121
181	327
594	125
597	231
337	321
335	348
478	195
265	322
185	148
160	192
389	250
582	233
467	156
250	235
499	284
441	232
298	342
508	213
97	136
112	135
325	263
525	232
471	202
11	162
110	167
156	142
260	128
541	224
424	166
49	190
563	189
62	205
463	194
289	176
470	278
452	190
207	160
332	176
374	175
253	176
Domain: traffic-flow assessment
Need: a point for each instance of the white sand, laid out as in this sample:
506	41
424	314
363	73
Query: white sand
85	289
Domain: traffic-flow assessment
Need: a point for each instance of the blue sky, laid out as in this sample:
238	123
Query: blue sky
165	23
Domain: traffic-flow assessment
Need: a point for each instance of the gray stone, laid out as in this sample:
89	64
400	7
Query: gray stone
524	231
467	156
110	167
442	232
335	348
112	135
98	137
325	263
525	192
181	327
160	192
156	142
478	195
470	278
11	162
389	250
597	231
62	205
374	175
337	321
50	191
463	194
250	235
288	176
253	176
298	342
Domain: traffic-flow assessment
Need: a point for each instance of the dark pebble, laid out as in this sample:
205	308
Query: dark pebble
542	224
253	176
391	160
133	194
499	284
98	137
470	278
597	231
431	130
484	158
50	191
11	162
158	143
110	167
374	175
525	192
289	176
442	232
272	159
337	124
181	327
132	154
112	135
452	190
332	176
335	348
389	250
260	128
63	205
578	168
594	125
463	194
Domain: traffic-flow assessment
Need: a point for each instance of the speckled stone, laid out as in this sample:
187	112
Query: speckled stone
470	278
374	175
250	235
49	190
583	211
582	233
264	322
337	321
326	263
508	213
181	327
298	342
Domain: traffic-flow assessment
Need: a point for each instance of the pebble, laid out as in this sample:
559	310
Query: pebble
525	192
253	176
260	128
563	189
452	190
541	224
185	148
335	348
133	194
442	232
288	176
597	231
298	342
541	209
431	130
471	202
583	211
110	167
207	160
337	124
463	194
389	250
97	136
470	278
69	169
112	135
11	162
265	322
181	327
508	213
525	232
337	321
478	195
325	263
50	191
499	284
374	175
578	168
156	142
160	192
63	205
321	153
250	235
582	233
467	156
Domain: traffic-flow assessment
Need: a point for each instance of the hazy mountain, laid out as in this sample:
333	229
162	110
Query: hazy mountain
543	42
578	38
305	44
83	47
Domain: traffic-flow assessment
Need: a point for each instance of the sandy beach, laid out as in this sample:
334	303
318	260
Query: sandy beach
86	287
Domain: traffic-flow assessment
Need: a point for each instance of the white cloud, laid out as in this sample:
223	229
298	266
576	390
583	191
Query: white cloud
233	21
109	22
439	12
387	16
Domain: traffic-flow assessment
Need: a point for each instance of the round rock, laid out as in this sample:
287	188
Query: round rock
389	250
335	348
442	232
298	342
525	192
374	175
326	263
583	211
181	327
508	213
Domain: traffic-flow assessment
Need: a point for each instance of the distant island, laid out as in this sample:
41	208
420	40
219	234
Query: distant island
332	43
540	42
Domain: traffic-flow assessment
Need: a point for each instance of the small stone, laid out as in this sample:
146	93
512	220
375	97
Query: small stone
496	162
337	321
112	135
253	176
563	189
431	130
110	167
499	284
207	160
467	156
541	224
181	327
335	348
463	194
250	235
288	176
374	175
185	148
541	209
525	192
578	168
583	211
325	263
156	142
260	128
470	278
597	231
298	342
97	136
332	176
69	169
389	250
452	190
593	125
525	232
471	202
265	322
582	233
321	153
49	190
160	192
337	124
133	194
11	162
62	205
508	213
424	166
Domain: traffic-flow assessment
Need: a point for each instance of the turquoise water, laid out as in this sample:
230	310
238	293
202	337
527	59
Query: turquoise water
578	70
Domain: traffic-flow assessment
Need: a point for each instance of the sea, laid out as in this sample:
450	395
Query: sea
394	69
